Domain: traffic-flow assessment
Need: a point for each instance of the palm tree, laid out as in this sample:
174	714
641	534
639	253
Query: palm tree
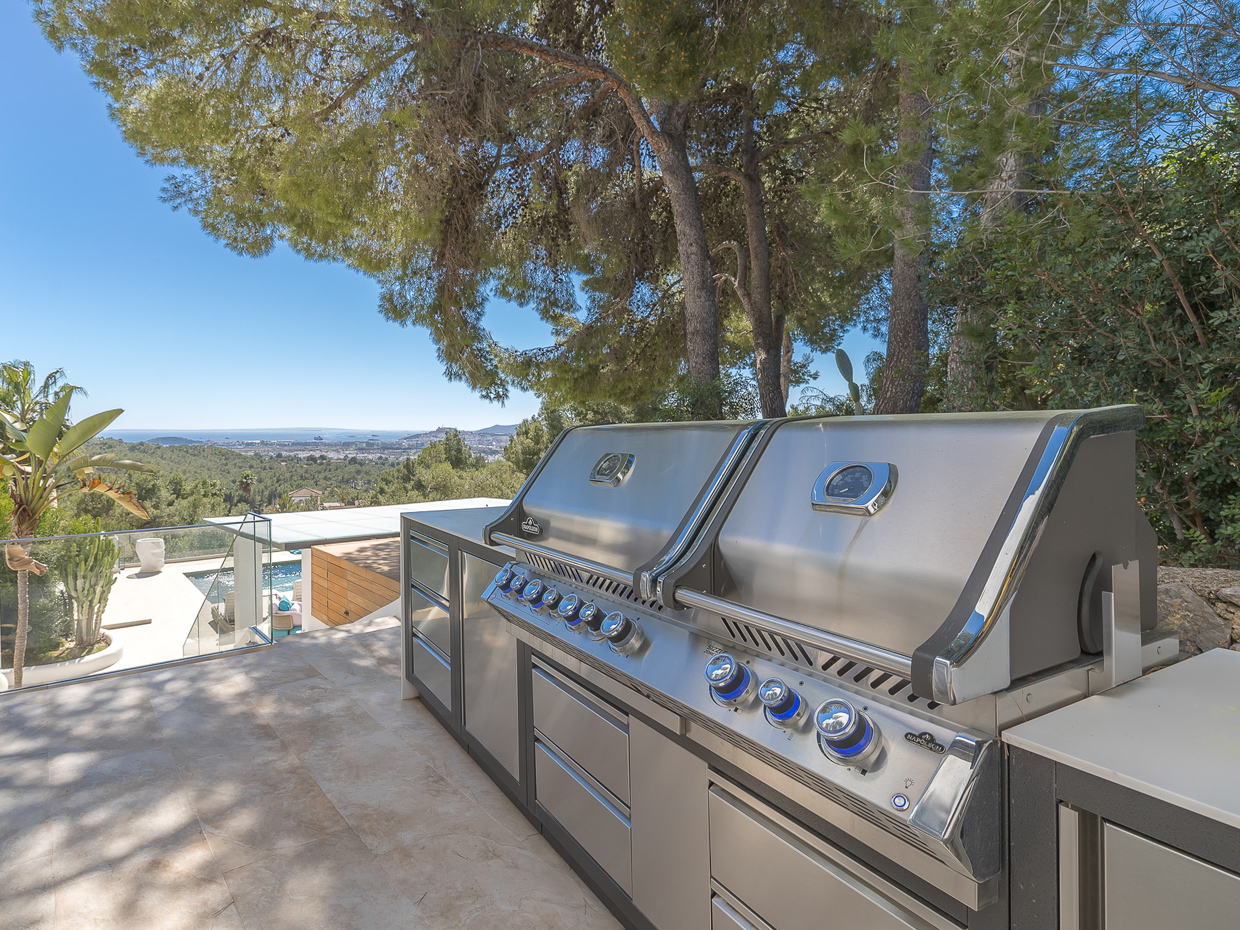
246	486
41	458
18	394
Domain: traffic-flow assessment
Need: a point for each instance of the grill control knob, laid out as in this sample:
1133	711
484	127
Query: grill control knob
591	616
621	633
517	586
730	681
532	590
550	598
845	735
568	611
782	705
503	577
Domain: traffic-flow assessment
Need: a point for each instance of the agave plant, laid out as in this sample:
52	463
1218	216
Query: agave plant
41	459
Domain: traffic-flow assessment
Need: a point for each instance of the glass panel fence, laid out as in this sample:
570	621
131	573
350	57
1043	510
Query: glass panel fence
104	602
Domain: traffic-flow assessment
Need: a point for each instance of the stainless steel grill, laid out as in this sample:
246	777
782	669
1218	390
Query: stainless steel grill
848	610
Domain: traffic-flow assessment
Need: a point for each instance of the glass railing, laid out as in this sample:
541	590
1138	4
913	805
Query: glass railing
105	602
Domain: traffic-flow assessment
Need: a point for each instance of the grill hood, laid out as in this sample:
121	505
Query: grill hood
962	551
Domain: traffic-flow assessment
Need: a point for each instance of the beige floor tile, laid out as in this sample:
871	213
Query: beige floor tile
312	713
382	701
25	804
180	891
271	668
118	812
476	878
214	680
22	717
28	899
192	730
110	717
331	884
351	666
252	805
456	765
389	793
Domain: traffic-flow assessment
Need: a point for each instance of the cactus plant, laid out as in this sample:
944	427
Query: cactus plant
88	576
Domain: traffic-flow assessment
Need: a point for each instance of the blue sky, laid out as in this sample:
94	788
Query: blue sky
150	314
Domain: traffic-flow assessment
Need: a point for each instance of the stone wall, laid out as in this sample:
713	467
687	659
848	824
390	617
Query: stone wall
1202	605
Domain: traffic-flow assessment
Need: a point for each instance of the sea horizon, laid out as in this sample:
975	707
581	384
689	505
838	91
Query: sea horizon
282	434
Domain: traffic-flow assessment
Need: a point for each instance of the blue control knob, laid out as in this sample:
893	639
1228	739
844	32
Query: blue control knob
729	680
783	705
591	616
503	577
844	733
532	591
550	598
568	610
517	586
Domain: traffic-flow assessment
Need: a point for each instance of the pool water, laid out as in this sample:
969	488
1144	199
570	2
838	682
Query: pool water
280	577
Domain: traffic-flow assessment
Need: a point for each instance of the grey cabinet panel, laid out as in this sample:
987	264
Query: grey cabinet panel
591	820
433	673
671	845
723	916
489	666
1149	886
594	738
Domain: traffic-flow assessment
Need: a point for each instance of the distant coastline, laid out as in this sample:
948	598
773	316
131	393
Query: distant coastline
277	434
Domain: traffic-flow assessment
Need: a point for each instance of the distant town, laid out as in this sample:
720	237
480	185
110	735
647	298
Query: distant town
333	443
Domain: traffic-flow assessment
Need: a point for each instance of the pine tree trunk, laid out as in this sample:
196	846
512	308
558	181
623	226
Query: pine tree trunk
908	330
766	342
785	361
697	276
23	626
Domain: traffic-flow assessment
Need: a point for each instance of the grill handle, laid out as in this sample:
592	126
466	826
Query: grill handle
585	565
882	659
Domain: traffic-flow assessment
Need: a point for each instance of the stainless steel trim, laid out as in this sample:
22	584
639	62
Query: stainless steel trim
585	565
873	656
883	477
725	914
954	679
943	807
1069	869
1121	626
433	671
648	581
585	731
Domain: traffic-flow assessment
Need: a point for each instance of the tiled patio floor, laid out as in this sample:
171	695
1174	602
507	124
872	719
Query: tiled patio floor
290	788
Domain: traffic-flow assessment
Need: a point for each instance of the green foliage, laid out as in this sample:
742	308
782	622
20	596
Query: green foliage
86	571
1127	291
194	482
445	470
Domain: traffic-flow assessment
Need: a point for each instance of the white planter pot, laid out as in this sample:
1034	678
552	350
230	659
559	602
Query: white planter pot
73	668
150	554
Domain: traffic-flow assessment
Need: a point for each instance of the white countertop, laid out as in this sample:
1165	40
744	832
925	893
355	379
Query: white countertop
1173	734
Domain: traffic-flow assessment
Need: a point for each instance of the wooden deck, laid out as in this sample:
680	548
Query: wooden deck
353	579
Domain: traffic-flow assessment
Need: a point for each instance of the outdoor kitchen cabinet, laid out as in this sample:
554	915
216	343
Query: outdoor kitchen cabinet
1130	818
460	656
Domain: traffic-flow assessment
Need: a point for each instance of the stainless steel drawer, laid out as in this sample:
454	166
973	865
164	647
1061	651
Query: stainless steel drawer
758	860
592	734
433	673
1149	886
428	565
430	619
602	830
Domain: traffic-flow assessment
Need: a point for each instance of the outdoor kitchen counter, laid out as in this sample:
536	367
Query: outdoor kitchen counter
1173	735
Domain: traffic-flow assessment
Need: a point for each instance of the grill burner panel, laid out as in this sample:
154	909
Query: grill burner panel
670	661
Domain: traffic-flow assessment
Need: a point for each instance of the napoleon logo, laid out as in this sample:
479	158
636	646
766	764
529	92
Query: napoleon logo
926	741
530	526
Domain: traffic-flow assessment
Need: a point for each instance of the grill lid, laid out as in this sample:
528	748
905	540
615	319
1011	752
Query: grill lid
618	496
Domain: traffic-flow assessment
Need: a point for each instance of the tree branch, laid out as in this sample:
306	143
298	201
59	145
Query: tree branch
1191	83
723	170
794	140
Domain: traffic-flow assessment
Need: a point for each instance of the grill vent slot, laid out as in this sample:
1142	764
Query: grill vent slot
611	588
792	651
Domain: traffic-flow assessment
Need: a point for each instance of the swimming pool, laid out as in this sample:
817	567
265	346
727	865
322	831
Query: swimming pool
280	577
